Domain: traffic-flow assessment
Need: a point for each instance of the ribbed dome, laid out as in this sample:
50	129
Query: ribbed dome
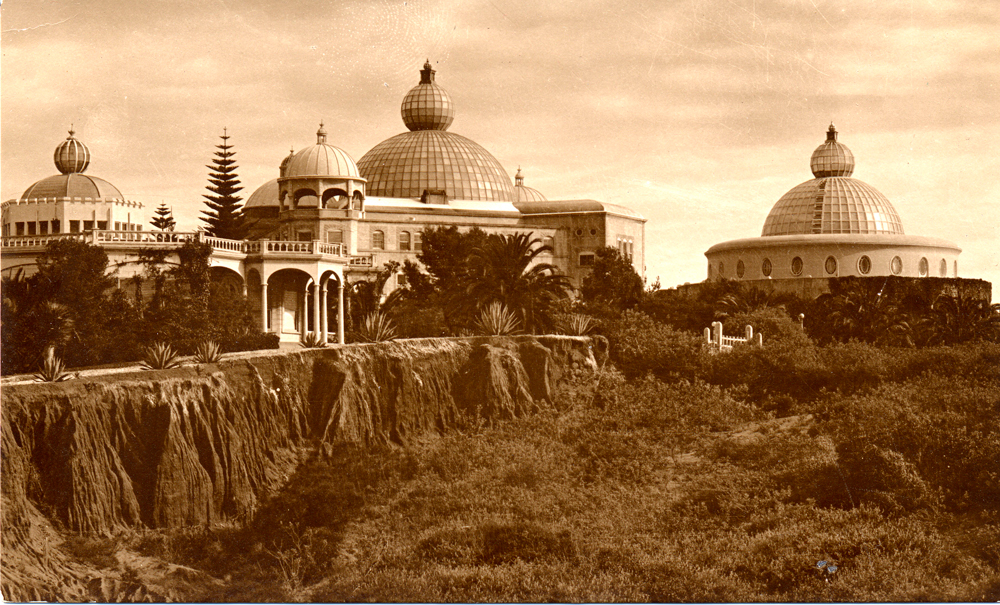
265	195
410	163
832	158
427	106
73	185
523	193
71	155
322	160
428	158
284	163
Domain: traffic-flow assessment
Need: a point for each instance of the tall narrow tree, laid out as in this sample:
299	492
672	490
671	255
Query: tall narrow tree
164	219
225	213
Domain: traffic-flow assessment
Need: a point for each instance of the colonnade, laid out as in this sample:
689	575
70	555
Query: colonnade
319	311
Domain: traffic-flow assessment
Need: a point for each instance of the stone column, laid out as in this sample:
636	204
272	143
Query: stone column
315	309
324	312
263	306
340	311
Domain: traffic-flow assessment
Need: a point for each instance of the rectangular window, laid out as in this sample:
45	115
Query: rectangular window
401	280
335	236
31	229
418	245
378	240
404	240
305	236
102	225
74	226
118	226
88	225
55	226
587	260
43	227
20	228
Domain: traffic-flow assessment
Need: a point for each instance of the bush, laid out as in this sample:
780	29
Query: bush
509	542
641	345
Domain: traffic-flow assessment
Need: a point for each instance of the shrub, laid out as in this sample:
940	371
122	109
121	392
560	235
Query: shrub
253	341
313	340
208	351
53	369
509	542
376	327
160	356
641	345
577	324
497	320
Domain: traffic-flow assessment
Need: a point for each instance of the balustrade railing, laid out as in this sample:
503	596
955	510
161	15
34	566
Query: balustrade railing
720	342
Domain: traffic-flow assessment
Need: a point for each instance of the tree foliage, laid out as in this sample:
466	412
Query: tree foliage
613	283
225	214
163	219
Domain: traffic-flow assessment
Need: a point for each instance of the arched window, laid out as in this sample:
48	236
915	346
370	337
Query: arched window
550	243
404	240
944	268
378	240
417	242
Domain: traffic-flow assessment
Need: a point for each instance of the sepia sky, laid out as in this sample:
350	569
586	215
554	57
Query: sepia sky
699	114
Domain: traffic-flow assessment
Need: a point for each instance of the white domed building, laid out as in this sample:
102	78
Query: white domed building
830	226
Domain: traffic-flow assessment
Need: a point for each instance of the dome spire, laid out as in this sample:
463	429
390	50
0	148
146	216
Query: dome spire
519	178
832	158
321	134
427	73
831	134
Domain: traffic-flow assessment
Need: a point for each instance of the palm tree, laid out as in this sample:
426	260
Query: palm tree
748	300
505	269
959	318
865	311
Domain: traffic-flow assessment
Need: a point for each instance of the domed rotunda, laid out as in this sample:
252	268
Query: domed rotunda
430	160
832	226
71	201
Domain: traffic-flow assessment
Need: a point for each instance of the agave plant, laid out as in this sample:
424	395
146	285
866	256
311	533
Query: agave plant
160	356
497	320
313	340
376	328
53	369
208	351
578	324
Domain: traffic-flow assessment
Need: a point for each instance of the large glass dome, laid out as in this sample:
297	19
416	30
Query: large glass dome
428	158
832	202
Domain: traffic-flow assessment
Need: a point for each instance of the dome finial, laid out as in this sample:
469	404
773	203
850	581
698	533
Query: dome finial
321	134
71	156
427	73
519	178
831	134
71	132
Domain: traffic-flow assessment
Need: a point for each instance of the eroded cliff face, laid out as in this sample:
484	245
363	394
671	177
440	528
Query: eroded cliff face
201	444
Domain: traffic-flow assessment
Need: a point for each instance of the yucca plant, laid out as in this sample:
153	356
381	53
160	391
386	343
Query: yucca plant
53	369
208	351
313	340
376	328
497	320
160	356
578	324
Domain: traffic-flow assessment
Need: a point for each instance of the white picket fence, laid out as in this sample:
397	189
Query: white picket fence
720	342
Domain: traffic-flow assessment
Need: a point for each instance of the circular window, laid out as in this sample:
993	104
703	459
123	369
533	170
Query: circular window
896	266
864	265
740	269
922	268
722	268
765	267
944	268
796	266
593	231
831	265
579	231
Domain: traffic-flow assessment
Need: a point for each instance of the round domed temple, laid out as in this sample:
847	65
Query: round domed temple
832	226
320	175
429	159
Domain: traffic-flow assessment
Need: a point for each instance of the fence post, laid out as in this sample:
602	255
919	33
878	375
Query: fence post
717	333
749	333
760	339
708	335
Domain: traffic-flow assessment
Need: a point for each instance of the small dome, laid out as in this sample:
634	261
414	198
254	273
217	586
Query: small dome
71	155
523	193
321	160
427	106
265	195
72	185
832	158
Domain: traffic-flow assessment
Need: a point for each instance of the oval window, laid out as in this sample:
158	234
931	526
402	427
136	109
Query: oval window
864	265
831	265
796	266
896	265
722	269
740	269
923	268
944	268
765	267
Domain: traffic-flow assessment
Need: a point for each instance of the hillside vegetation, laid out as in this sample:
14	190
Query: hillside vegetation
663	488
